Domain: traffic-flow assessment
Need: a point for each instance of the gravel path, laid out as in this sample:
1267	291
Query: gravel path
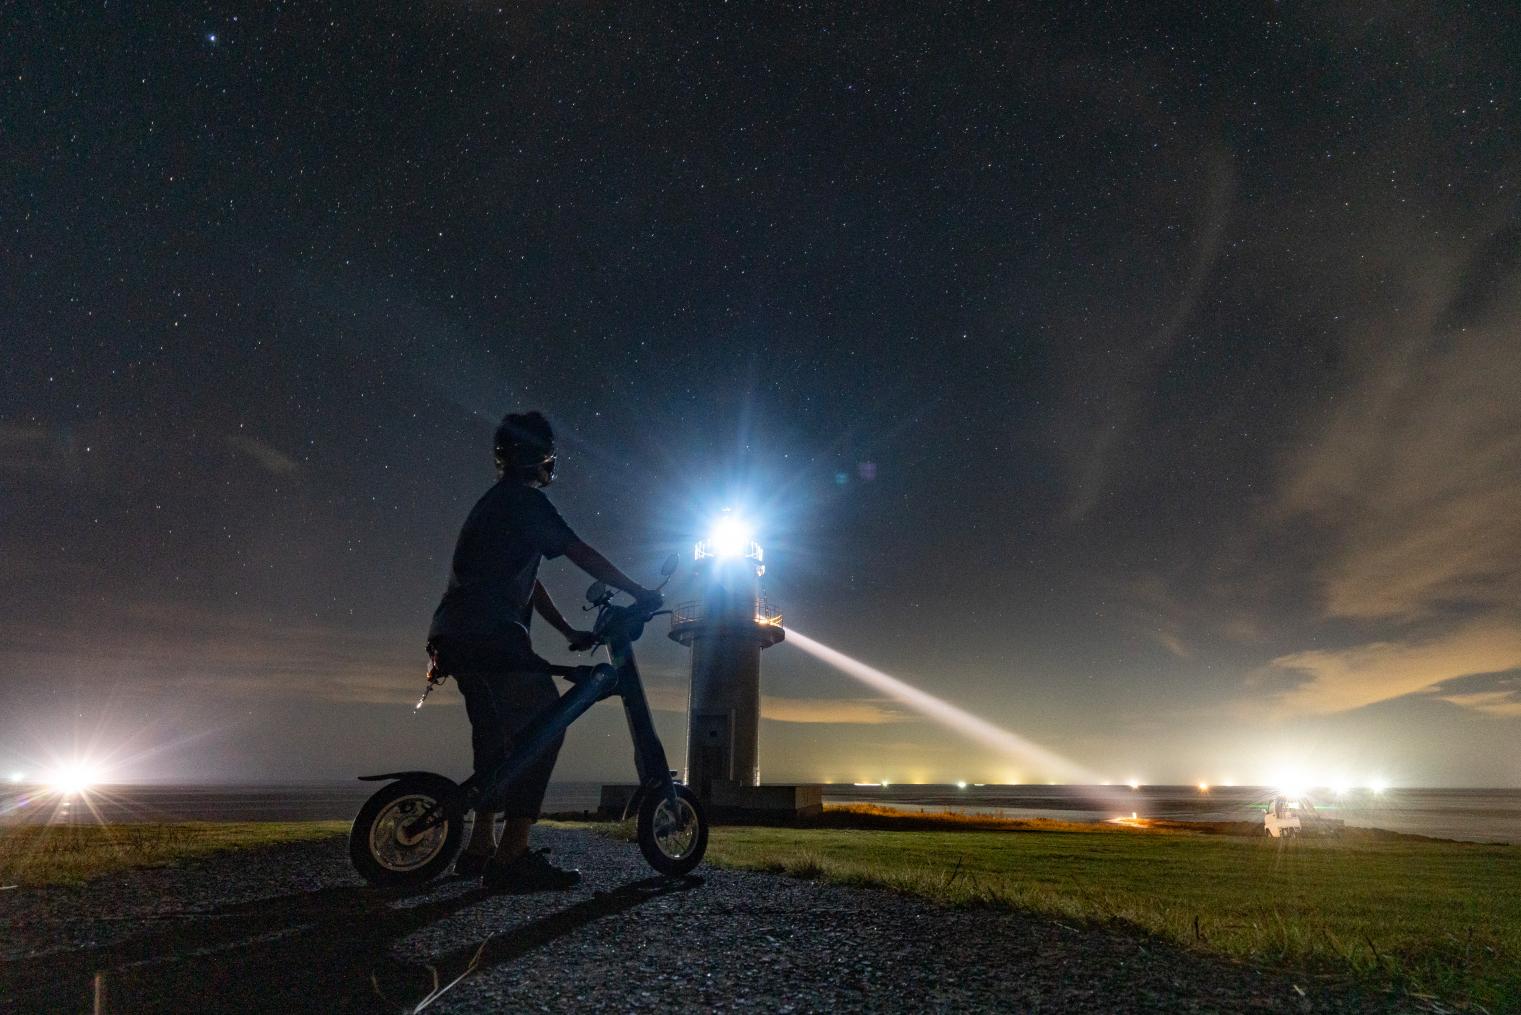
292	929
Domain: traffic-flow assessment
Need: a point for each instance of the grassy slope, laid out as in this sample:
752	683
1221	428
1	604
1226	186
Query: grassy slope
70	854
1436	917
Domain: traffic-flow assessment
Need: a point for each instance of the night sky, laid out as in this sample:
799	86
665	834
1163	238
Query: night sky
1145	381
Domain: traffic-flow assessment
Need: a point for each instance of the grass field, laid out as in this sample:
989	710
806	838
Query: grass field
1435	918
70	854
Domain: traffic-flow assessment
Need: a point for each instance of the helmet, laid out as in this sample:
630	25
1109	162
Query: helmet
525	447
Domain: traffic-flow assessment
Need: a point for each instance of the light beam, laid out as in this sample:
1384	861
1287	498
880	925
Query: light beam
943	712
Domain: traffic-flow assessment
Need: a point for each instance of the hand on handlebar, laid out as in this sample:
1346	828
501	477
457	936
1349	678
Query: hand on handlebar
580	641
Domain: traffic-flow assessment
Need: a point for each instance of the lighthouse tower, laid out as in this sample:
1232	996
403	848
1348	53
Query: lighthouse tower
727	627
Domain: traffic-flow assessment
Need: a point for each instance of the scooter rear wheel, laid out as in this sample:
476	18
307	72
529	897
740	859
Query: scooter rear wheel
673	835
383	853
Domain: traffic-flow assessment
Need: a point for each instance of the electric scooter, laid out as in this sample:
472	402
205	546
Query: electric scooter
410	831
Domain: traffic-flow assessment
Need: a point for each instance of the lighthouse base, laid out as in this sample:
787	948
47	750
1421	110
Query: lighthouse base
733	803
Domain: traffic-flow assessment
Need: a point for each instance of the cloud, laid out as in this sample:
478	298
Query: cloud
54	454
853	711
177	645
271	459
1500	703
1343	679
1411	477
670	697
1417	470
1172	643
23	445
1116	385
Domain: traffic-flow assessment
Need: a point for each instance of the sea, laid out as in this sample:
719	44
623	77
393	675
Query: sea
1473	815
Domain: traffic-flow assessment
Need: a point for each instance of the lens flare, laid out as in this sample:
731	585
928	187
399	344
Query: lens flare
944	712
73	778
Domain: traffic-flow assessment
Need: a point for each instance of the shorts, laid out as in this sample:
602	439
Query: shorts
502	705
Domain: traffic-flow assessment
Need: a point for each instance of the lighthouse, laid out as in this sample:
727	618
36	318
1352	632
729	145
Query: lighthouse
726	626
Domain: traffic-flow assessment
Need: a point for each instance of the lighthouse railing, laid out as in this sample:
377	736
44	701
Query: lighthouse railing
691	613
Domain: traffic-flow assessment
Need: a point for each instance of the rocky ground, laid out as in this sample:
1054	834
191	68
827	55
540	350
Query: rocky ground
293	929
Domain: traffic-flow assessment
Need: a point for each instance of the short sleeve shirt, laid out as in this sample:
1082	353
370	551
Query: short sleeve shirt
496	560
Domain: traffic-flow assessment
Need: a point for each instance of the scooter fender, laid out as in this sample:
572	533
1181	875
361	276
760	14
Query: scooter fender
637	798
400	775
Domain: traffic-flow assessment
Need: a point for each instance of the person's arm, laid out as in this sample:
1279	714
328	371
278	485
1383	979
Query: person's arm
549	611
545	605
554	538
599	567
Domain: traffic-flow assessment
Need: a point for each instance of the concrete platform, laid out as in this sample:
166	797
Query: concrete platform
731	802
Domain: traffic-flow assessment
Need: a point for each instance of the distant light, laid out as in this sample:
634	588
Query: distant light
1133	782
1133	815
885	784
1378	785
961	784
1341	785
73	778
211	37
18	777
1289	783
1203	787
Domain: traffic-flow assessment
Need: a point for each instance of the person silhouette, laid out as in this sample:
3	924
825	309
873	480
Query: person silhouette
477	636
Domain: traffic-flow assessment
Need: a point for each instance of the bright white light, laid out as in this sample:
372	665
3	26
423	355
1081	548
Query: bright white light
730	537
961	784
1203	787
18	777
1133	783
971	726
73	778
885	784
1340	785
1378	785
1290	782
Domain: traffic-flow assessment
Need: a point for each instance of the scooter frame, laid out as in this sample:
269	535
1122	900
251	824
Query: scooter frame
617	627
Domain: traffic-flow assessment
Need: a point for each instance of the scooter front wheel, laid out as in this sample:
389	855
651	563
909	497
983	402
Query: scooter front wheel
673	834
384	853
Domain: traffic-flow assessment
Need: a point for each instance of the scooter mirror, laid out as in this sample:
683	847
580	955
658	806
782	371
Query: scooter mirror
596	591
669	567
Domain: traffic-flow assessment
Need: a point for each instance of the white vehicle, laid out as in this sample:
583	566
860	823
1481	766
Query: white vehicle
1282	818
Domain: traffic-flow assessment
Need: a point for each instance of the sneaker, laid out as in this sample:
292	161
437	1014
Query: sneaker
531	872
471	865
